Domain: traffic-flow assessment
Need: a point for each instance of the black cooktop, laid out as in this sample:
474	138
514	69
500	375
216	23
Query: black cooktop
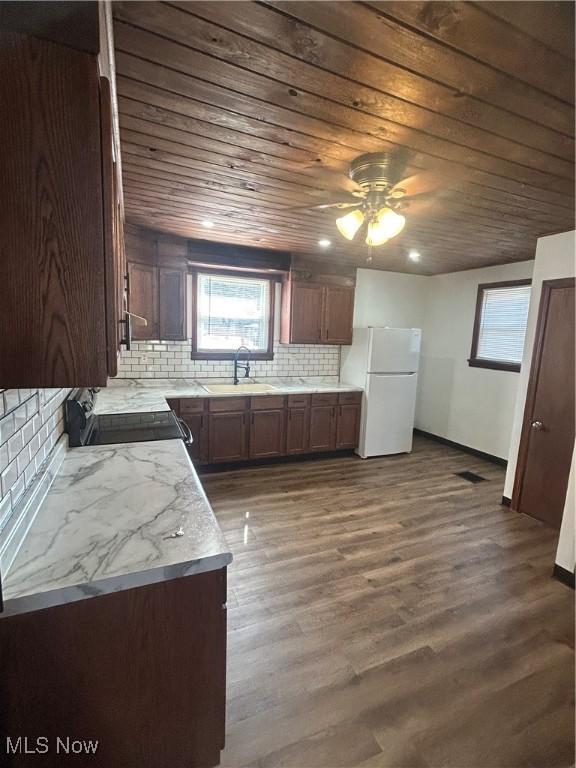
85	427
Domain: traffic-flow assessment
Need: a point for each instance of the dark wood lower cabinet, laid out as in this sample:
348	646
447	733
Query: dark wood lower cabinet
231	429
142	672
266	434
322	428
347	426
297	427
227	437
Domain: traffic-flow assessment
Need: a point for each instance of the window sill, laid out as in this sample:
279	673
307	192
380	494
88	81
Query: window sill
495	365
231	355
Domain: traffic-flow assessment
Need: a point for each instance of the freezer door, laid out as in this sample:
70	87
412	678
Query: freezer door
388	414
394	350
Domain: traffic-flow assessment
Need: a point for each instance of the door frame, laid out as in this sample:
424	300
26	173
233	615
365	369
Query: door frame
547	287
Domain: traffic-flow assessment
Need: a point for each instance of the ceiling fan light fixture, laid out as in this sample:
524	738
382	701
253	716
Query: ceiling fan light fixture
386	225
390	222
349	224
375	235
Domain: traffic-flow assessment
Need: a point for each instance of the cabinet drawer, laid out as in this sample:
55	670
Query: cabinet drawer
192	405
325	398
174	404
267	403
298	401
350	398
227	404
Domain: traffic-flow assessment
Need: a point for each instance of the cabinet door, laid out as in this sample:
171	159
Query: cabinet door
305	313
197	424
266	434
143	299
338	314
227	439
347	426
297	430
322	428
52	281
172	303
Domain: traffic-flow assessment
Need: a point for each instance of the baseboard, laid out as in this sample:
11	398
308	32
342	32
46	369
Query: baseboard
460	447
506	502
563	575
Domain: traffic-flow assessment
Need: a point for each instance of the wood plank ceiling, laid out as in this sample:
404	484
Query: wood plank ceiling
228	110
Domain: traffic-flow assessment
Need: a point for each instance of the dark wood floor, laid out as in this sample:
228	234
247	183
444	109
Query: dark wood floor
388	613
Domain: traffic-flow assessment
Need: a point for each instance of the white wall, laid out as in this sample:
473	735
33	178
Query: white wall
389	298
555	258
471	406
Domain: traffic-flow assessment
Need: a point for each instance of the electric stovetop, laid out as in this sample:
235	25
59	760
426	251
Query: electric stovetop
85	427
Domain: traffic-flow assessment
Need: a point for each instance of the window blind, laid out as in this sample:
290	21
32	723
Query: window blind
232	312
503	318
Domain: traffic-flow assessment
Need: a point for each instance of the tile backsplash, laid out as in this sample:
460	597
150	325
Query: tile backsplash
171	360
31	421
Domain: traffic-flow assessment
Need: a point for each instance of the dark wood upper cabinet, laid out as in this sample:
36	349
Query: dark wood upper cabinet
143	299
337	314
52	270
314	313
172	303
301	313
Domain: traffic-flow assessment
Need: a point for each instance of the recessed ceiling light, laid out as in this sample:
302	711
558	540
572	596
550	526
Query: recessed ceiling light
208	224
414	256
324	243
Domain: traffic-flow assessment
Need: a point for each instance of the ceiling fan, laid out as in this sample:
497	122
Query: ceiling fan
378	196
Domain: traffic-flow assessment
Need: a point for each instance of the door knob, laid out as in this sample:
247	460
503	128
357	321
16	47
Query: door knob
537	425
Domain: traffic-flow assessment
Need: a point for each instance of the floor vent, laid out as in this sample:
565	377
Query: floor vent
472	477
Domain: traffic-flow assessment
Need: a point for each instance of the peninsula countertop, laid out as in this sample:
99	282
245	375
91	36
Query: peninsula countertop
116	517
147	395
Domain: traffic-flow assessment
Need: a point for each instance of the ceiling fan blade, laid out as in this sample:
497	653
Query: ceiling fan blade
419	184
324	206
426	204
333	178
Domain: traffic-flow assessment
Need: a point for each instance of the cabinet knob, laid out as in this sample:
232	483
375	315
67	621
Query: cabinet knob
537	426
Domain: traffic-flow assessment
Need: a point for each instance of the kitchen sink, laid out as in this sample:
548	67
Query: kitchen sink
236	389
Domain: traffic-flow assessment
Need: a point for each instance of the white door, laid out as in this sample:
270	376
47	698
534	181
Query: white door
394	350
388	414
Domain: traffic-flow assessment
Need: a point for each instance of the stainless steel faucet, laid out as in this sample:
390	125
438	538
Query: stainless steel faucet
245	366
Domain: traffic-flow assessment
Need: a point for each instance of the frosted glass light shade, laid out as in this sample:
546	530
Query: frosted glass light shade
350	224
387	224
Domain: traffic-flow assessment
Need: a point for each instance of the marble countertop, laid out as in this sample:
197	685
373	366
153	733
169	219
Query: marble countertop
116	517
141	395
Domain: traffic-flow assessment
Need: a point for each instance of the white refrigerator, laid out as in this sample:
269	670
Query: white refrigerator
384	362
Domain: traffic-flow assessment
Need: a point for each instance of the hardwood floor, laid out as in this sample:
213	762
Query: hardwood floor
387	613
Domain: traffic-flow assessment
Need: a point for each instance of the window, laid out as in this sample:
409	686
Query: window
232	310
500	325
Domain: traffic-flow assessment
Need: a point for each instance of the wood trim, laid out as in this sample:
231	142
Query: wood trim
473	361
563	575
547	287
459	446
200	355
